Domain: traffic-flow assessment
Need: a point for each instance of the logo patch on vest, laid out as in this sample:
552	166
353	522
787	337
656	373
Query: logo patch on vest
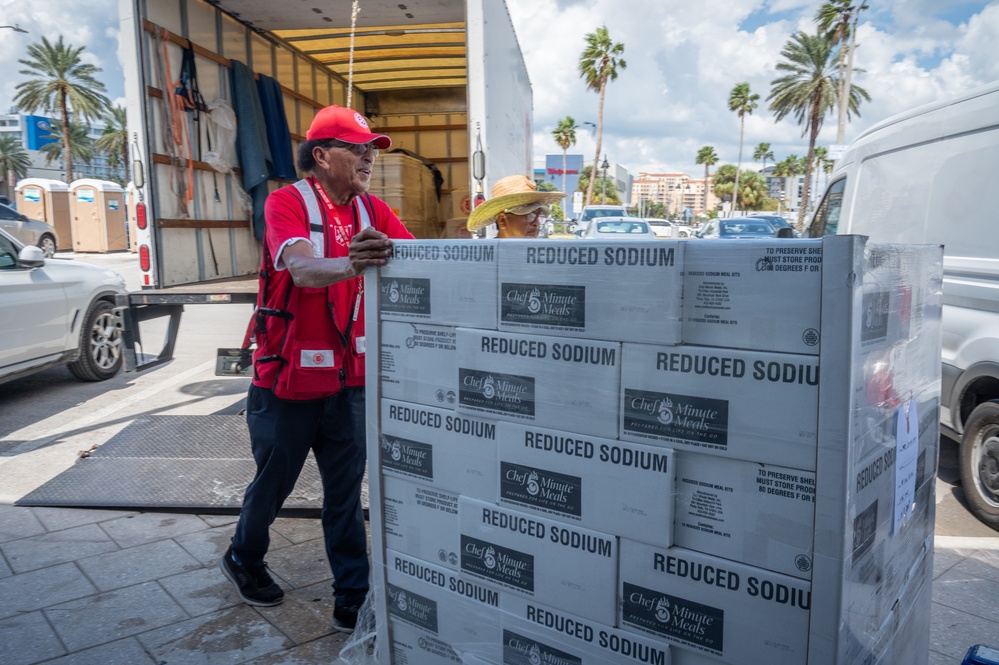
316	358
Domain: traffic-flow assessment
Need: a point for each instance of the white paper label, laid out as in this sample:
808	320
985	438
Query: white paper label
906	458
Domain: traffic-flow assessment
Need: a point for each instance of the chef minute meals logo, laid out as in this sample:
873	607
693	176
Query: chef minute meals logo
412	608
404	456
543	305
496	392
673	617
700	420
502	565
401	295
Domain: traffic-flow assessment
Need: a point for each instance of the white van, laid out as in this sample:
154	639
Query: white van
929	176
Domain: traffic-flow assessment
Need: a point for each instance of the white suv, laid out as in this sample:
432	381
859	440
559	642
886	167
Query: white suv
56	311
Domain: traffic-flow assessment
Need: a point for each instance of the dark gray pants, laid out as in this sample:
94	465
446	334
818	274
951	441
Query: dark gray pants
281	434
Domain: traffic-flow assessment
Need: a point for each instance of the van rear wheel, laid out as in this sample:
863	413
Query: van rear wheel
980	462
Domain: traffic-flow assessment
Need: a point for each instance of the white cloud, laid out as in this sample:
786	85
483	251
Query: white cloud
684	59
92	24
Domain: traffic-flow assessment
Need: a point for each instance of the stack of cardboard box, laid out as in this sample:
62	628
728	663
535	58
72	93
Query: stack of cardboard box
591	452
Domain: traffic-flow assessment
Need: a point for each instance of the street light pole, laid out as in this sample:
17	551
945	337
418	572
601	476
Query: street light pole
14	27
604	166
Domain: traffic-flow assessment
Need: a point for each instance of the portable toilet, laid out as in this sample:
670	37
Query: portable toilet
131	199
47	200
98	211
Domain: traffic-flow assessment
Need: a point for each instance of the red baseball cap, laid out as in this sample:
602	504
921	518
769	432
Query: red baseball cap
343	124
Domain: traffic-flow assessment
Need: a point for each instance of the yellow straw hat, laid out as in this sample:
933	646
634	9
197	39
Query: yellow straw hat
509	193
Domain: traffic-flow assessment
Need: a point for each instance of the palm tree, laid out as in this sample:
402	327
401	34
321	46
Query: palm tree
821	156
598	64
742	101
565	137
808	90
834	18
709	158
81	145
786	168
113	141
61	81
763	153
14	161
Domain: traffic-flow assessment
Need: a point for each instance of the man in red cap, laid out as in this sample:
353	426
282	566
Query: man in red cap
307	391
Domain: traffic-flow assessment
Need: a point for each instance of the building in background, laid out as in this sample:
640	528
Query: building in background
34	132
550	170
681	195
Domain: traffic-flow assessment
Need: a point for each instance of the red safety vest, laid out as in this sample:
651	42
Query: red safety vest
313	336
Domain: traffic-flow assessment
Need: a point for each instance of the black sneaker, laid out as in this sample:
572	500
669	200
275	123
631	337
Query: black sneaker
345	618
253	583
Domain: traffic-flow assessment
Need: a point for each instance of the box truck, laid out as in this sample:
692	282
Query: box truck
446	80
926	176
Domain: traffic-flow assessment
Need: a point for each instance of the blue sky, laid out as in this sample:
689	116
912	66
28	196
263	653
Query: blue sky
683	60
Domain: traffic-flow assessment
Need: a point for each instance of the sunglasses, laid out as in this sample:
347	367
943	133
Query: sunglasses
531	212
356	148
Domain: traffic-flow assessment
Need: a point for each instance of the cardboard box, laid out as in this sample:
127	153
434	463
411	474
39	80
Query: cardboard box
445	282
758	514
748	405
436	611
421	520
440	448
549	635
580	479
438	616
731	611
546	381
566	566
623	291
762	295
418	363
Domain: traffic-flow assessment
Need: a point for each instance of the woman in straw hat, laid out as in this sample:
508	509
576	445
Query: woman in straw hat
516	207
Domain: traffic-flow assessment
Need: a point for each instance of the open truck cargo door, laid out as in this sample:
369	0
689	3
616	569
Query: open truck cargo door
439	77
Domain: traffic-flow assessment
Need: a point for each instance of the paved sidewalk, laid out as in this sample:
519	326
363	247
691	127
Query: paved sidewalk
102	587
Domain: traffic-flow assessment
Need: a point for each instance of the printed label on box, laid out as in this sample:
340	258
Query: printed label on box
502	565
410	458
507	394
545	490
522	650
543	305
700	420
674	618
412	608
409	296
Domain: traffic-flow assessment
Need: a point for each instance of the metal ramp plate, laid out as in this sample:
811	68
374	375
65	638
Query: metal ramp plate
188	463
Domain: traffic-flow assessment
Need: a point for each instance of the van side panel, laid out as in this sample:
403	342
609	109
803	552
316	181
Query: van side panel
930	177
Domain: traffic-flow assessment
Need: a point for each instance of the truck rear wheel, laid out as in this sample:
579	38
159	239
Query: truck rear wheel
980	462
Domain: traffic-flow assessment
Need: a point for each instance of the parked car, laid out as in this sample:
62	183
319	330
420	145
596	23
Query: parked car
663	228
591	212
56	311
619	228
29	231
740	227
777	222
